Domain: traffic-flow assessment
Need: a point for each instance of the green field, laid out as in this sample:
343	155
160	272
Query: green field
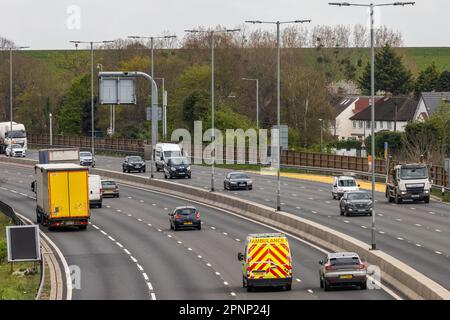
14	287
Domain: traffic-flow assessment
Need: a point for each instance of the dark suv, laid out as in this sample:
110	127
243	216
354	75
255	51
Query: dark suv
356	202
177	168
185	217
133	163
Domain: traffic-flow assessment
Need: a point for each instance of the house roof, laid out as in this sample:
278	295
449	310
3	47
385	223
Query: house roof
343	104
433	100
385	110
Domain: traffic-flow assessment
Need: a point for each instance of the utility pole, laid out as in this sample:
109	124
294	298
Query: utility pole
51	129
372	91
278	23
213	137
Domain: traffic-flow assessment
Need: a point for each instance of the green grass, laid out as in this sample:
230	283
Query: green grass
14	287
438	193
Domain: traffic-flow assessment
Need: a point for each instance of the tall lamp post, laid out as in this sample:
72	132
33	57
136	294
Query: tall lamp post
372	80
51	128
321	135
163	109
11	49
213	137
91	43
257	99
278	23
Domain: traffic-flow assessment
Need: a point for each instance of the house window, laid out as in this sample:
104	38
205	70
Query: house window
368	124
360	124
389	124
354	124
381	124
376	122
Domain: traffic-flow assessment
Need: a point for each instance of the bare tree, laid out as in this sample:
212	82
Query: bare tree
385	36
360	36
295	36
6	43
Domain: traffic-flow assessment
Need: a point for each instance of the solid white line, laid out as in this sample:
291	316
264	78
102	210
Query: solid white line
140	267
13	191
103	232
153	296
95	227
150	286
133	259
3	188
145	276
23	194
126	251
119	244
111	238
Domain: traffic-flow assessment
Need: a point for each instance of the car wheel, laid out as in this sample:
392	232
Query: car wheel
224	186
288	287
189	177
321	283
347	214
363	285
342	212
244	285
326	286
143	170
165	176
334	197
199	227
123	170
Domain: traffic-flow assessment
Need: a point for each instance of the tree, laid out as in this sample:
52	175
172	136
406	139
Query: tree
196	107
394	140
443	83
427	80
390	73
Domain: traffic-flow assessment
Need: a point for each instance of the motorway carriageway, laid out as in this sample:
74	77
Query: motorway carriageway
415	233
129	251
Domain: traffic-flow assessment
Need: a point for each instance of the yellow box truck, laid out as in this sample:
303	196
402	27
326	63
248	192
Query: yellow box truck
62	195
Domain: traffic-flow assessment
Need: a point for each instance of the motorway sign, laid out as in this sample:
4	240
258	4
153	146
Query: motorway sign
23	243
117	90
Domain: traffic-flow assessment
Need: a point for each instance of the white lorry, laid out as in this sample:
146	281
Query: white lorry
18	135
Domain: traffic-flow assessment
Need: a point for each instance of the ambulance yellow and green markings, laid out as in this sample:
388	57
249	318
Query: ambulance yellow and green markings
266	261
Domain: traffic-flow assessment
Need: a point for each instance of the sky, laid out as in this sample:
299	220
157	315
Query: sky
51	24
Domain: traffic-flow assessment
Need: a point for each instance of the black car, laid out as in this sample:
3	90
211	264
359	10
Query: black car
177	168
356	202
133	163
237	180
185	217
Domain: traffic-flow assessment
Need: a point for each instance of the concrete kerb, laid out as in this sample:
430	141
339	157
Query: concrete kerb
408	281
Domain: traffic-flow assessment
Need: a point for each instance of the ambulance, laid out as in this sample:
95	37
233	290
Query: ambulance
266	261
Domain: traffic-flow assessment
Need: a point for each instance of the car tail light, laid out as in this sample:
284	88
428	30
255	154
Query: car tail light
361	266
177	216
328	266
197	215
101	190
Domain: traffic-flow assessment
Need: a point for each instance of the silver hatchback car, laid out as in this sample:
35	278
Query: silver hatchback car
342	269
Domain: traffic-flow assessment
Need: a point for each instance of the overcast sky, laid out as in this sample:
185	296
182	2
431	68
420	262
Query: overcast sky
50	24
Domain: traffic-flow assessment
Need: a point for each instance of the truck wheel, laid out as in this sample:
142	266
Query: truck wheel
398	200
288	287
244	285
249	288
82	227
427	200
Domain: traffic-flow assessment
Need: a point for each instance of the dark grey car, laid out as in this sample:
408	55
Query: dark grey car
185	217
237	180
356	202
133	163
342	269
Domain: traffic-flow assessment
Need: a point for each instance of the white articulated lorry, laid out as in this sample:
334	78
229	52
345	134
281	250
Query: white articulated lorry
18	135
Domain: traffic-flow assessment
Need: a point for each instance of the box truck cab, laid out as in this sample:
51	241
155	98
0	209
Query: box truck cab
343	184
266	261
165	151
62	195
17	136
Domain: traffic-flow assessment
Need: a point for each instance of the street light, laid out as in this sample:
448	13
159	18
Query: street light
213	137
278	23
51	129
257	99
11	49
91	43
372	80
164	111
321	135
152	39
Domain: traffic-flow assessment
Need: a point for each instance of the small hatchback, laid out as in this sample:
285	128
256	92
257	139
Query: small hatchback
342	269
110	188
185	217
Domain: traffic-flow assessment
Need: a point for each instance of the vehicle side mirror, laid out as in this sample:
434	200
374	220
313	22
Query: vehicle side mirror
240	256
321	262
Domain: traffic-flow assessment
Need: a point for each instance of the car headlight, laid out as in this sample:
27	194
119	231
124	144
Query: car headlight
426	191
250	182
173	168
233	182
403	192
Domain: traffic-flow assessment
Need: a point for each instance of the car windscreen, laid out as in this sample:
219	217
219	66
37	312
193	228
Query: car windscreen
344	261
347	183
135	159
16	146
358	196
414	173
239	176
172	154
85	154
16	134
186	212
108	183
178	161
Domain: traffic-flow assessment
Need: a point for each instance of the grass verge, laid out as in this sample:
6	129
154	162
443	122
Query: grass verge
438	193
15	287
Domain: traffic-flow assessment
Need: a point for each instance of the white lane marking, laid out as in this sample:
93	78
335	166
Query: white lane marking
108	206
130	215
153	204
233	294
225	234
149	224
118	210
238	240
382	232
103	232
267	200
145	276
399	238
386	289
179	242
119	244
95	227
169	236
380	215
149	285
298	208
418	225
3	188
166	209
133	259
437	230
127	252
159	230
199	257
438	252
153	296
399	220
413	208
311	198
364	227
217	273
140	267
23	194
130	197
294	195
346	221
310	291
225	283
13	191
418	245
140	220
214	228
314	211
327	202
298	280
190	249
432	212
111	238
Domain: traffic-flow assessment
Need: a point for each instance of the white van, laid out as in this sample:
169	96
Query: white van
165	151
95	191
343	184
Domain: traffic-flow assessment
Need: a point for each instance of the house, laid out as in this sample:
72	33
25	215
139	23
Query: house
429	103
391	113
345	108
